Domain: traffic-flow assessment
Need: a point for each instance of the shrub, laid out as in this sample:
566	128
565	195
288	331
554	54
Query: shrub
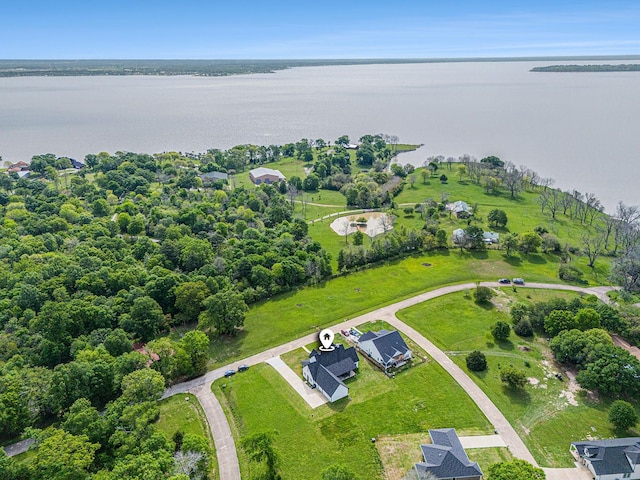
622	415
570	273
476	361
559	320
513	377
519	311
483	294
523	328
500	331
497	218
515	470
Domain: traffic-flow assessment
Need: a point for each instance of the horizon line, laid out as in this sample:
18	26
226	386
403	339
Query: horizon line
342	59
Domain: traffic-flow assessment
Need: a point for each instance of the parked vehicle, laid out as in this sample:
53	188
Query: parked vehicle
243	368
229	373
518	281
504	281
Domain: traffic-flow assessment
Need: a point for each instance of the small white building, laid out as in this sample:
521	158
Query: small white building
387	348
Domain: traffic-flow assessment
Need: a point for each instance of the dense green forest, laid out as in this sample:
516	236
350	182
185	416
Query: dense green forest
98	265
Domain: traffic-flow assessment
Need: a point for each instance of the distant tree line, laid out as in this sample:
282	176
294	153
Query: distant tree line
622	67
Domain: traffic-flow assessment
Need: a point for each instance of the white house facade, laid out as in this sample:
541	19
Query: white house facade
387	348
613	459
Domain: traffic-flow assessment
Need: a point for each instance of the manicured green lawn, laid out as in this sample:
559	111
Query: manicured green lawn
488	456
415	400
548	414
182	412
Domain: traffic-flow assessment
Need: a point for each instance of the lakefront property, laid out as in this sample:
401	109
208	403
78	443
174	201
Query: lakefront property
265	175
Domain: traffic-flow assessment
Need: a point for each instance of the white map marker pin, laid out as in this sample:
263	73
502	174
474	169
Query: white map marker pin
326	337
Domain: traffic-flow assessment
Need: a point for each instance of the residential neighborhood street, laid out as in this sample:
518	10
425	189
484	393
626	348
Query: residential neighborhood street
225	447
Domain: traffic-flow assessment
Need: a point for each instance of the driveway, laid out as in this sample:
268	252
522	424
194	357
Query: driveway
225	447
312	396
482	441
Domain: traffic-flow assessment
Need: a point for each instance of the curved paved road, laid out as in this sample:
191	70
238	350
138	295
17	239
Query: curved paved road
225	446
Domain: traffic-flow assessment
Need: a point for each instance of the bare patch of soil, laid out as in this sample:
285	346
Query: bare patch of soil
398	453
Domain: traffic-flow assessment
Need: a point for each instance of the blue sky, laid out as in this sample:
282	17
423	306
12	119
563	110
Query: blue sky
200	29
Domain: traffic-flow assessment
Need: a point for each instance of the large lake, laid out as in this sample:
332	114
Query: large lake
582	129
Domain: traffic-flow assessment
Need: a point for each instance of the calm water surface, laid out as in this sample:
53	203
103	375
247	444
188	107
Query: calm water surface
580	128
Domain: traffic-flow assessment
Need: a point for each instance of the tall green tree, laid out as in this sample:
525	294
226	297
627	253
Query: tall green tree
338	472
513	377
529	242
225	311
196	344
145	320
189	298
515	470
63	456
497	218
623	415
142	386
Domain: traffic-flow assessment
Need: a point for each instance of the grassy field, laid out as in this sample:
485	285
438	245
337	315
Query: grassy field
548	414
297	313
183	412
415	400
523	212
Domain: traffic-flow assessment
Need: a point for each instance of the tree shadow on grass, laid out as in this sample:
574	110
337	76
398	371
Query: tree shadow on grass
480	375
518	396
513	261
505	345
536	259
488	306
479	254
223	347
441	252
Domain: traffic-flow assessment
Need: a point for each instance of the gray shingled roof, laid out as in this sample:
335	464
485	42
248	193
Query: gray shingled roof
327	381
326	367
389	343
335	356
612	456
445	457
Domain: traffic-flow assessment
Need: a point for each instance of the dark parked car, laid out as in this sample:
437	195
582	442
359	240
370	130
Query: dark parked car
518	281
504	281
228	373
243	368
